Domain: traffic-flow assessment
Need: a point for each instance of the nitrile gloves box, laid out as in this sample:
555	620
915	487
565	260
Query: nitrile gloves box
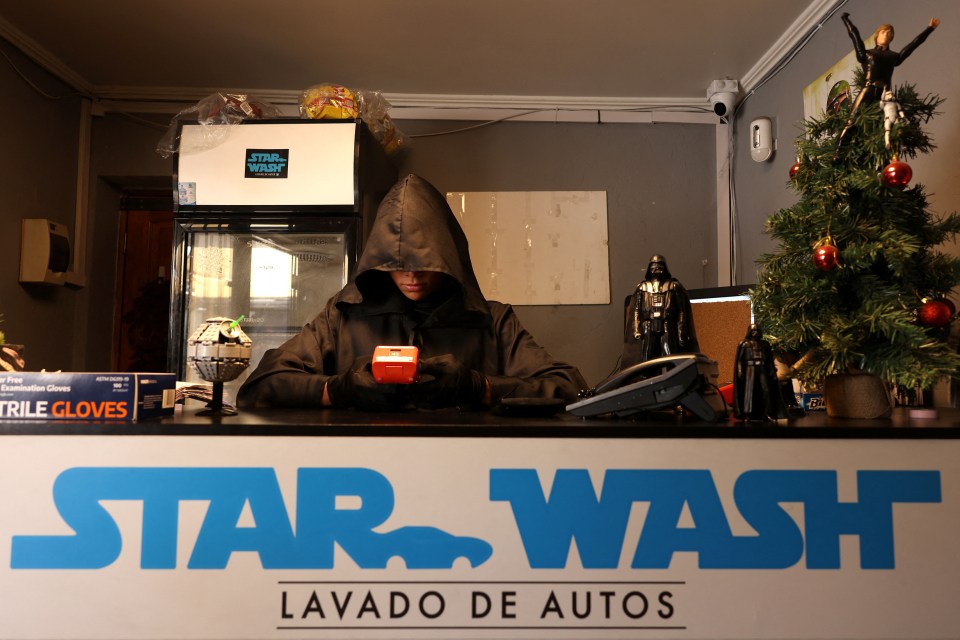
31	395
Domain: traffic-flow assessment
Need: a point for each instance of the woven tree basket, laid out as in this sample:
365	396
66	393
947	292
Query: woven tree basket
857	395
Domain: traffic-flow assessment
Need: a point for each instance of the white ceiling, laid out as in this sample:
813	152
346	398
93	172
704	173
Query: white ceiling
417	52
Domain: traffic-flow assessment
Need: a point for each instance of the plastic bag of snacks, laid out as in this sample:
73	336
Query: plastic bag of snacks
337	102
329	102
374	111
216	109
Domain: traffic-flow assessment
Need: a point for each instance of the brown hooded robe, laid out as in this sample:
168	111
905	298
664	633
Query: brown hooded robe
414	230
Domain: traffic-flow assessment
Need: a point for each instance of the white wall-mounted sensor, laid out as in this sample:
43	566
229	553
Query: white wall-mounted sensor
761	139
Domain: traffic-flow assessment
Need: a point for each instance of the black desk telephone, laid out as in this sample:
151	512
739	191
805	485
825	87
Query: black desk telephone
688	380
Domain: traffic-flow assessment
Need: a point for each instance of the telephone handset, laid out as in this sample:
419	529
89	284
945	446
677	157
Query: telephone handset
687	379
642	371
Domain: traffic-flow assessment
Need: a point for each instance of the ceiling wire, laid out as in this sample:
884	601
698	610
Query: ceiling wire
30	83
159	126
678	108
734	218
477	126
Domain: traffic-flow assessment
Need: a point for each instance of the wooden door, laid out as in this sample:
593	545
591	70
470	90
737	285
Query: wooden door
143	291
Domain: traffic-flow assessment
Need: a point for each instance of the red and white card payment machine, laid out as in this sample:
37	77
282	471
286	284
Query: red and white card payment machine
396	365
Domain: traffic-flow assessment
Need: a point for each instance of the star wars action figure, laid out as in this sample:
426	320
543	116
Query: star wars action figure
756	391
658	320
878	63
891	113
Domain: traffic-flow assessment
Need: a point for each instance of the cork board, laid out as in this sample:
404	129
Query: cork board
721	325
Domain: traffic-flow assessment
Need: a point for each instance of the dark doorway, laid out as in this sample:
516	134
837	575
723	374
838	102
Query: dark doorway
143	284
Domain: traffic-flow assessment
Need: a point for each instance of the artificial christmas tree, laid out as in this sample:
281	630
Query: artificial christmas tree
867	306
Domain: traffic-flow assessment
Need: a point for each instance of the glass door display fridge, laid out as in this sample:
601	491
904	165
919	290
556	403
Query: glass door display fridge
271	218
276	276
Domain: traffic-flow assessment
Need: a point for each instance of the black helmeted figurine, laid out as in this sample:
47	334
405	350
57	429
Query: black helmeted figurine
878	63
658	320
756	391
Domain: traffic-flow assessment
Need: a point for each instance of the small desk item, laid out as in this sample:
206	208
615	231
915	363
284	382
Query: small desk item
220	351
396	365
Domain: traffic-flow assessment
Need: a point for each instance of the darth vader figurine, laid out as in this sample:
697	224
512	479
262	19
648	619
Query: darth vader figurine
756	390
658	320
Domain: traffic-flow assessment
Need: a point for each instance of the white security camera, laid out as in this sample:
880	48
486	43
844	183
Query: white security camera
723	102
723	96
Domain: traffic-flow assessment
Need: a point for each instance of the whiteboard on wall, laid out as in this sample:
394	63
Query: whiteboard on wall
537	247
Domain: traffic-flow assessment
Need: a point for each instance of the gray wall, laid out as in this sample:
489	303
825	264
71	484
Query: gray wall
123	156
660	183
64	327
38	168
762	188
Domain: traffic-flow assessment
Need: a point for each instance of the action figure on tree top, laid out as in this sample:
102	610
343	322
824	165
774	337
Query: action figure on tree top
858	283
878	63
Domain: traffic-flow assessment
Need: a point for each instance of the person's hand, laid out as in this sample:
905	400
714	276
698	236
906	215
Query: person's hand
358	388
934	23
448	382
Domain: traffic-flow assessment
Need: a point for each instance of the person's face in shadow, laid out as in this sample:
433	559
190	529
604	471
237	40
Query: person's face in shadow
417	285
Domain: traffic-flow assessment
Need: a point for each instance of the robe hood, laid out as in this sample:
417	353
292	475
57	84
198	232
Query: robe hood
415	230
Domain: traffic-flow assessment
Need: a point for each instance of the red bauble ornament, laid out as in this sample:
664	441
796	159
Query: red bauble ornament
826	257
794	169
897	174
934	313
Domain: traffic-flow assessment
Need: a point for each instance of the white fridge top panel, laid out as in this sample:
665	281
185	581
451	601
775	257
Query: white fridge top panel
270	164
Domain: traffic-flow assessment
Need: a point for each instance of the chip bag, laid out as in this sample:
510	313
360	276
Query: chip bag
329	102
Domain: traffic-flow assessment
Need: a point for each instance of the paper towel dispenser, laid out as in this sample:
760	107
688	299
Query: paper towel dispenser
44	251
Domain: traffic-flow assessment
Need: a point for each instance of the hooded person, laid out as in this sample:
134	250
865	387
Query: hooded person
414	285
